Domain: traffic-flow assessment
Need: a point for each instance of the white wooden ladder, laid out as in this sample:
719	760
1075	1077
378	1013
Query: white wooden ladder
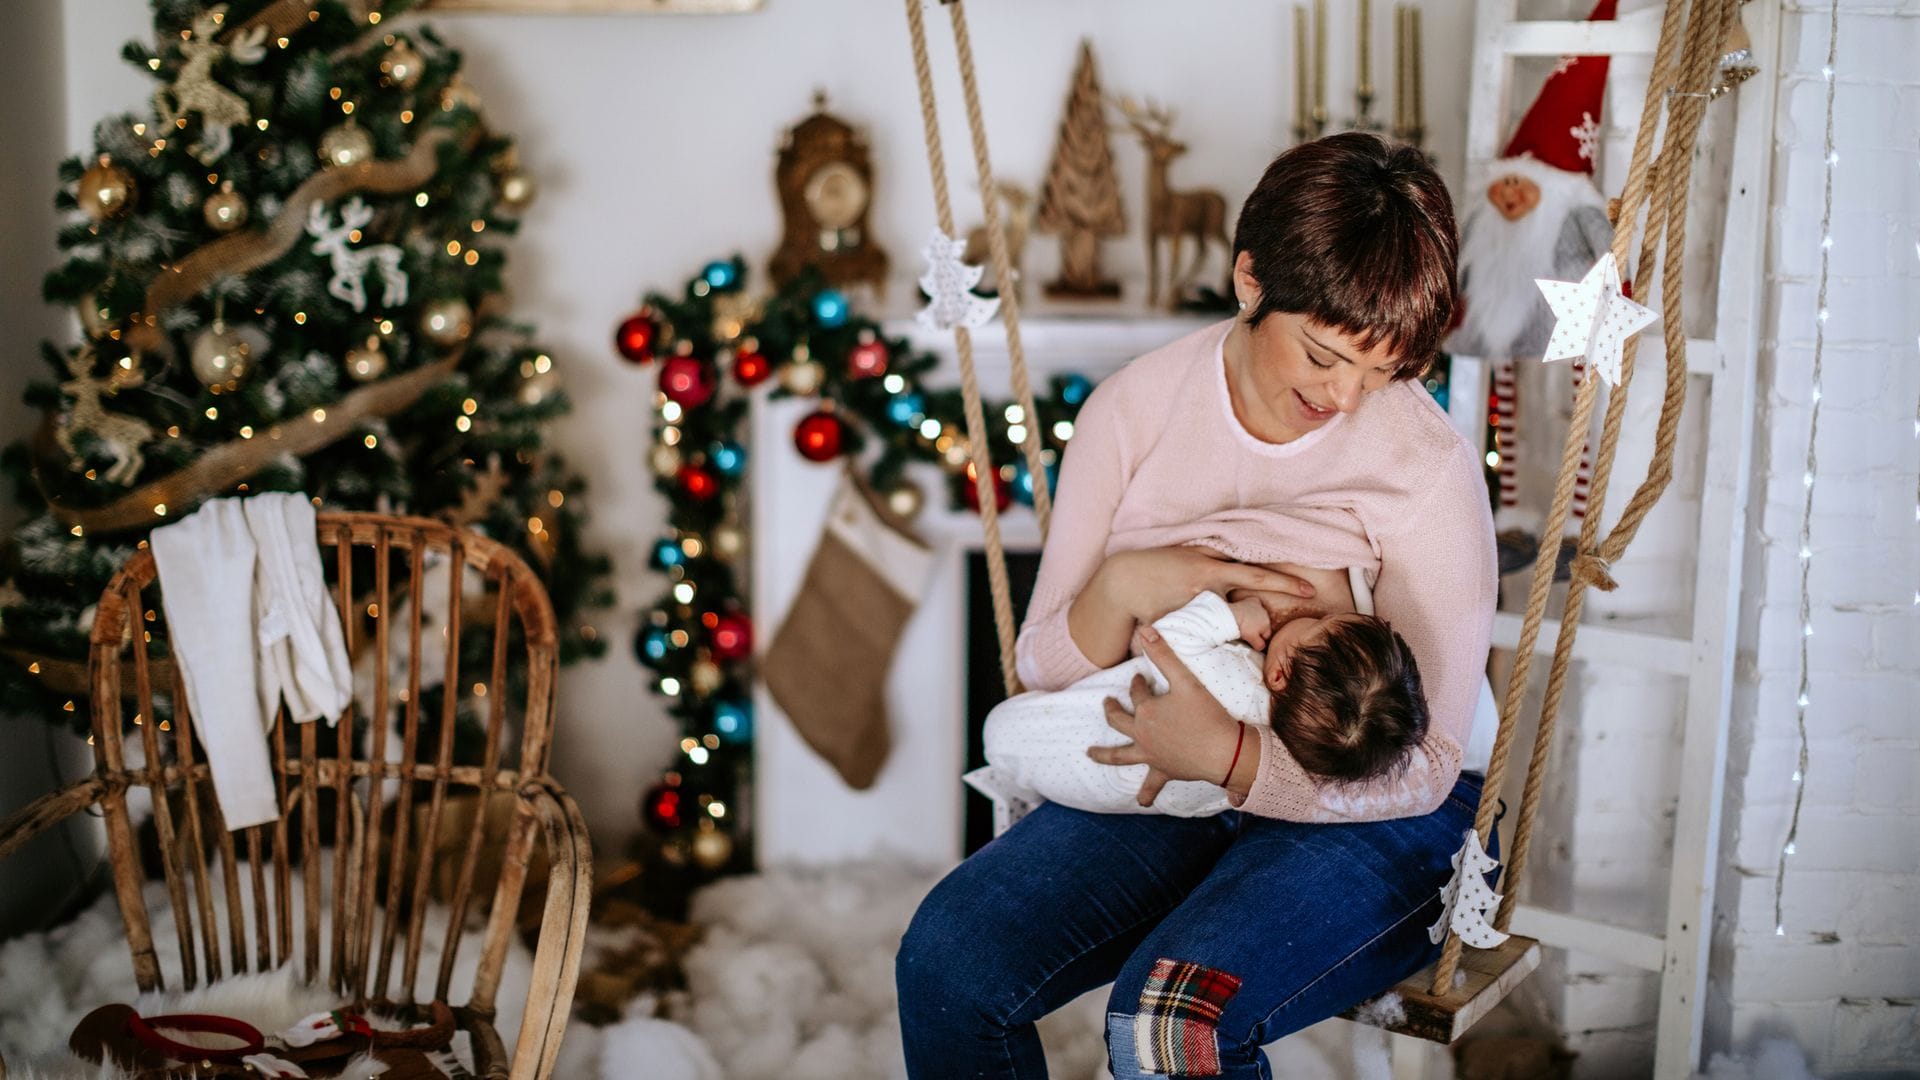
1725	363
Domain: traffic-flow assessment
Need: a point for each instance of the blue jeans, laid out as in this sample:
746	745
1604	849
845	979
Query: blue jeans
1219	935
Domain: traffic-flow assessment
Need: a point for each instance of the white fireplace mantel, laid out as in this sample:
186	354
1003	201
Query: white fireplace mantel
803	812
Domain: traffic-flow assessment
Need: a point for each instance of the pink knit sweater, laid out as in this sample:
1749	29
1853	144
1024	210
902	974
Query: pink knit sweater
1158	459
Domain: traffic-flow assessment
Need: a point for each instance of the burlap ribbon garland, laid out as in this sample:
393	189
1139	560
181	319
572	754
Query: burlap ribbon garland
229	463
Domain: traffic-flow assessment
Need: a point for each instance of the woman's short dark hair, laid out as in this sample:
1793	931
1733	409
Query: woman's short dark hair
1352	708
1357	234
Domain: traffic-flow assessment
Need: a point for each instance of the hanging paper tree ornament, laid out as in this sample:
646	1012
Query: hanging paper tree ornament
698	482
350	264
751	366
830	308
819	436
636	336
1466	903
1595	319
867	359
687	381
949	284
733	721
732	637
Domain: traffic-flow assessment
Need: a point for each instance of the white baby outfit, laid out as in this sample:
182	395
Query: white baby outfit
250	621
1036	742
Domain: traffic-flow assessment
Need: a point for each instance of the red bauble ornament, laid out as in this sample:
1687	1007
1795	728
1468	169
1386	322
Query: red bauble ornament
636	336
1002	491
819	435
663	807
687	380
698	482
751	367
732	637
868	358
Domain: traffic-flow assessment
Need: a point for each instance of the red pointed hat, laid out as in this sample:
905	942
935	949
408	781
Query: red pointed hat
1563	127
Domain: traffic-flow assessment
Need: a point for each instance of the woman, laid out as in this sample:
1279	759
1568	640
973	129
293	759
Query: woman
1222	934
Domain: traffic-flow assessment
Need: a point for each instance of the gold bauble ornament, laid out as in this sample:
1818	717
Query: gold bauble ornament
106	190
704	676
712	848
220	356
906	500
402	66
368	362
728	541
447	322
664	459
344	145
803	377
517	190
226	209
94	319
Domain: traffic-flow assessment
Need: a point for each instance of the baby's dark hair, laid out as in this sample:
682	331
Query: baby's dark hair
1352	708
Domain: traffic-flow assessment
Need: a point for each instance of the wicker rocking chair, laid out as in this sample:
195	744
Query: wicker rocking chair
364	800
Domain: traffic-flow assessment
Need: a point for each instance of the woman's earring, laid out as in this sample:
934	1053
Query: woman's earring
1243	305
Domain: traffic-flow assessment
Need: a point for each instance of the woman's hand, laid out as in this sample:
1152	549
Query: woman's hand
1149	583
1183	734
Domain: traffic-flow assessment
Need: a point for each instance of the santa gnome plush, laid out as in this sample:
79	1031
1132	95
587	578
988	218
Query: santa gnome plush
1541	217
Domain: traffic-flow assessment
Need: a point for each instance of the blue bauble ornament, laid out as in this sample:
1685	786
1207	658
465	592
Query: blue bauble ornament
1023	481
733	720
830	308
667	554
721	275
654	644
729	457
906	409
1073	389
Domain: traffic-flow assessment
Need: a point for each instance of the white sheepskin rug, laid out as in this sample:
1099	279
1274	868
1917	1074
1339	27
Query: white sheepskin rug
794	979
49	981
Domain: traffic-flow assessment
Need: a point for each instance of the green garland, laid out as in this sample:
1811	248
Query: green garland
712	344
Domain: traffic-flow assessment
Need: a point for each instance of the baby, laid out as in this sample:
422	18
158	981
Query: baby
1338	685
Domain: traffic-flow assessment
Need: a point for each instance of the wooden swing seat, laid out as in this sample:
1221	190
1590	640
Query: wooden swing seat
1490	975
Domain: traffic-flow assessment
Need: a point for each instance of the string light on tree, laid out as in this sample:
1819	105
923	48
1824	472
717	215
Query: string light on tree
1808	478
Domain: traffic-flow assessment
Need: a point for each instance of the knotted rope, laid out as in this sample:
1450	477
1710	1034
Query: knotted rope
1677	86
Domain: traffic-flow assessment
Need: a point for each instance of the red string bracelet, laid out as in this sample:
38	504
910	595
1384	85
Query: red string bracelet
1239	743
142	1028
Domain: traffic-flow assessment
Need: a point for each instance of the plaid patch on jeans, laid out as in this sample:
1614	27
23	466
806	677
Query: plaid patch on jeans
1176	1029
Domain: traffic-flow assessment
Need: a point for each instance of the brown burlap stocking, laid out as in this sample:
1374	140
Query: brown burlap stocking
827	666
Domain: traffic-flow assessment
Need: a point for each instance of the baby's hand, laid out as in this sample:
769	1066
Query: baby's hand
1255	625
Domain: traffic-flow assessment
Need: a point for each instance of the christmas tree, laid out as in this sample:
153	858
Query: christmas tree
288	278
1081	199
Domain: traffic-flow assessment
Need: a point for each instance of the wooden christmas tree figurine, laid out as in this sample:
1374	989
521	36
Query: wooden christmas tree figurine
1081	199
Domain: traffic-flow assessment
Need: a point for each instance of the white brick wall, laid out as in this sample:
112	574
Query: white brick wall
1845	976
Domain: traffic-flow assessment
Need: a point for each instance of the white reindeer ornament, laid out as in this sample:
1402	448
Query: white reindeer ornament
350	264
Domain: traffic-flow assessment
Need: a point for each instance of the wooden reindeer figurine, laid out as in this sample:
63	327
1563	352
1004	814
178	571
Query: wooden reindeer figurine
1172	215
1016	222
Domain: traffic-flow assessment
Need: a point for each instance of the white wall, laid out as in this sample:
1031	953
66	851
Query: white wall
1845	976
